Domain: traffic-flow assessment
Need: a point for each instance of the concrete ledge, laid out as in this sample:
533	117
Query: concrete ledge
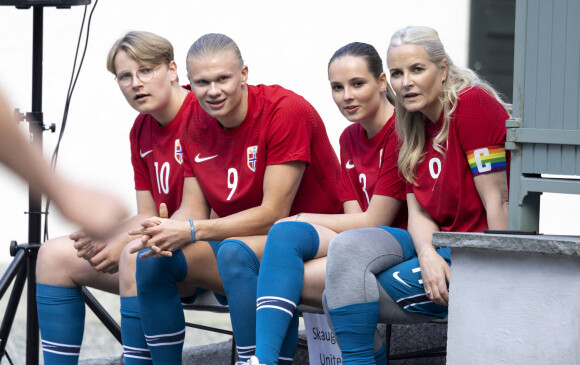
514	299
549	244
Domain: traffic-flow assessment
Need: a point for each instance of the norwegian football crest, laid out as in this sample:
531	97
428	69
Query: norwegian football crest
252	157
178	152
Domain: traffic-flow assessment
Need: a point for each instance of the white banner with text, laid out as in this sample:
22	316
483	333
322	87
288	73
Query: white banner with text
322	344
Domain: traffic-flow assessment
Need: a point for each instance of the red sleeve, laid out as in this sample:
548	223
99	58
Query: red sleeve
187	169
290	131
140	173
345	187
480	120
482	132
185	137
390	181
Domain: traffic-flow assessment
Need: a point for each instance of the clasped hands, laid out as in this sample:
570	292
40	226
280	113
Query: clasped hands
102	256
162	236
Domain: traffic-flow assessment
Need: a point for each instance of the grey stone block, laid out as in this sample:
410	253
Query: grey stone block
544	244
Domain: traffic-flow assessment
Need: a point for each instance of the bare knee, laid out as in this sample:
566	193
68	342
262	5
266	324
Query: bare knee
202	270
127	269
314	276
128	260
56	262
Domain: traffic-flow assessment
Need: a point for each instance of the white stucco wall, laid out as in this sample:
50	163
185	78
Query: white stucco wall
513	308
286	43
283	42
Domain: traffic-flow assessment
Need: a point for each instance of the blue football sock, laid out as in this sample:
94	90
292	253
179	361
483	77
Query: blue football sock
135	350
290	343
381	356
61	317
162	316
280	282
238	267
355	326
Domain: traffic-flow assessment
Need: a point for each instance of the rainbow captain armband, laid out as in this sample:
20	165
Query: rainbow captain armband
487	159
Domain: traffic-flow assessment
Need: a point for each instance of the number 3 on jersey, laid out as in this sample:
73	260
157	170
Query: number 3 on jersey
232	181
162	177
362	179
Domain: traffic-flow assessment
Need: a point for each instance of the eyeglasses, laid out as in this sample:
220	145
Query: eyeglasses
145	74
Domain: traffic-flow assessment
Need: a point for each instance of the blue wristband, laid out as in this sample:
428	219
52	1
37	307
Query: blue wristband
192	230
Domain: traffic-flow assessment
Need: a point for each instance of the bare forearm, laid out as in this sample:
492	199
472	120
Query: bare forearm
382	211
422	236
27	162
421	226
493	191
184	214
181	226
497	217
250	222
121	231
280	185
132	223
342	222
21	157
123	237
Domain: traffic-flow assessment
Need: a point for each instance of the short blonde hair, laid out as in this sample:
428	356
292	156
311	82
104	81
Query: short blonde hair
144	47
213	44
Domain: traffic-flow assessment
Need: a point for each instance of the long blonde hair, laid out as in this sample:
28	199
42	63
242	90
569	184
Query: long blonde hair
410	125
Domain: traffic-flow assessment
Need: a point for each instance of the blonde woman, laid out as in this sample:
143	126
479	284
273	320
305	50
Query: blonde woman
452	131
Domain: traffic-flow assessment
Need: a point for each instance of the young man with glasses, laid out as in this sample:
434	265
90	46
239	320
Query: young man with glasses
144	68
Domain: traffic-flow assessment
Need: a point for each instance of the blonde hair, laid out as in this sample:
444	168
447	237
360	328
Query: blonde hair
410	125
214	44
143	47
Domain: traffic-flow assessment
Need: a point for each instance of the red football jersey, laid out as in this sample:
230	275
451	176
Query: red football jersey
279	127
157	157
369	166
445	187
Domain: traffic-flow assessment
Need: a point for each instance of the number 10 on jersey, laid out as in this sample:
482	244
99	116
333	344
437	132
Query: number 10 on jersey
162	177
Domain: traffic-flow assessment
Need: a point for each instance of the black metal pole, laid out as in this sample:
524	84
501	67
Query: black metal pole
35	198
36	128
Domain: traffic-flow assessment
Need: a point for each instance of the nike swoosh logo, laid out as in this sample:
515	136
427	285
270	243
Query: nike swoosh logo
145	154
200	159
349	165
396	276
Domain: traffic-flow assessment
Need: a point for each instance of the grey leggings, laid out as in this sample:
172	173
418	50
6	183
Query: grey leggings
354	259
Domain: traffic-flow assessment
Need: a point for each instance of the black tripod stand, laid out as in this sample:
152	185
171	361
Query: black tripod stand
23	267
